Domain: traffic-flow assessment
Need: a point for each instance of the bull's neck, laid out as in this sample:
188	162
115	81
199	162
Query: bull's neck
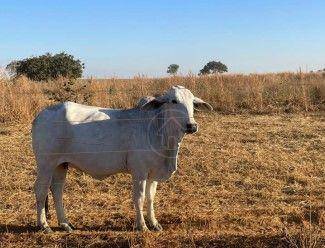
168	135
161	133
168	132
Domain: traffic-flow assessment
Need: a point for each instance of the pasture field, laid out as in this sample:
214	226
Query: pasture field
253	176
243	181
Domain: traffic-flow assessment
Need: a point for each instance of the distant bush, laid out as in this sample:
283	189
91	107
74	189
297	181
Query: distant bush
47	67
213	67
172	69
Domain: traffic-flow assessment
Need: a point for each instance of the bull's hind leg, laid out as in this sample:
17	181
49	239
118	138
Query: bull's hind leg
41	188
57	185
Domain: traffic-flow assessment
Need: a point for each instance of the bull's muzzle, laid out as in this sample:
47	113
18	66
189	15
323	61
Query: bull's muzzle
191	128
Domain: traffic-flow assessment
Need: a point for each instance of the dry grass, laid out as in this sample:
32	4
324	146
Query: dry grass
257	94
241	180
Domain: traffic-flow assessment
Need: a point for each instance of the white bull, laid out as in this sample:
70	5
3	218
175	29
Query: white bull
143	141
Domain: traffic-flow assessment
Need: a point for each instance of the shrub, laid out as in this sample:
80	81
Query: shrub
69	90
172	69
213	67
47	67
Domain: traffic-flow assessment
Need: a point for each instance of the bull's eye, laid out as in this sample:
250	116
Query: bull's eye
174	101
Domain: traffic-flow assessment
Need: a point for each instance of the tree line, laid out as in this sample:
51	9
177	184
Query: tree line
48	67
211	67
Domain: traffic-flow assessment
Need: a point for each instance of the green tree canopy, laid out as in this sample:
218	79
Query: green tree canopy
172	69
213	67
47	67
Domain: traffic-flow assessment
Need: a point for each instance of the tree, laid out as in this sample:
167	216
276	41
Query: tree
172	69
213	67
47	67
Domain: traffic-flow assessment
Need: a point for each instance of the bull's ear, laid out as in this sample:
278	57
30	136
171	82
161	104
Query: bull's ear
199	104
153	103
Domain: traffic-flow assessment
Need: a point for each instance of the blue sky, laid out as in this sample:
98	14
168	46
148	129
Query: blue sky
125	38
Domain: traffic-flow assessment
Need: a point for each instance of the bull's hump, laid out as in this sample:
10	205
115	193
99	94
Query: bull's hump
76	113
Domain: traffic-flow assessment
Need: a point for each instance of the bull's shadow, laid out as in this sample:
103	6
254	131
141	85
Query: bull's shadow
20	229
11	228
121	225
109	225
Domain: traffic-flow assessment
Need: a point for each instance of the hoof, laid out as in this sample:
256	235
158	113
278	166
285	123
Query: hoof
141	228
157	227
72	226
45	229
66	227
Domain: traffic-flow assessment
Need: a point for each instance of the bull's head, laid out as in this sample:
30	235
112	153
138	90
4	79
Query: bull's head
178	105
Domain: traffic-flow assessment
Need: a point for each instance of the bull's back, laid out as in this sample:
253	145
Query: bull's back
87	137
67	127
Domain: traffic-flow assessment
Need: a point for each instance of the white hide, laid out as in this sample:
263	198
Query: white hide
143	141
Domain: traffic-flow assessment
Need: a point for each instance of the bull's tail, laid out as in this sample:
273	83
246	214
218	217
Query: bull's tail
47	211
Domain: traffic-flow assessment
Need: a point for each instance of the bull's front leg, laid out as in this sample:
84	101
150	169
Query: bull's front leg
150	195
138	198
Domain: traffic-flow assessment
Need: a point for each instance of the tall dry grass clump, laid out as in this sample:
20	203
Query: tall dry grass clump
255	93
20	100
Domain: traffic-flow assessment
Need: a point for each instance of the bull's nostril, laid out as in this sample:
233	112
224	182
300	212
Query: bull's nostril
189	126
